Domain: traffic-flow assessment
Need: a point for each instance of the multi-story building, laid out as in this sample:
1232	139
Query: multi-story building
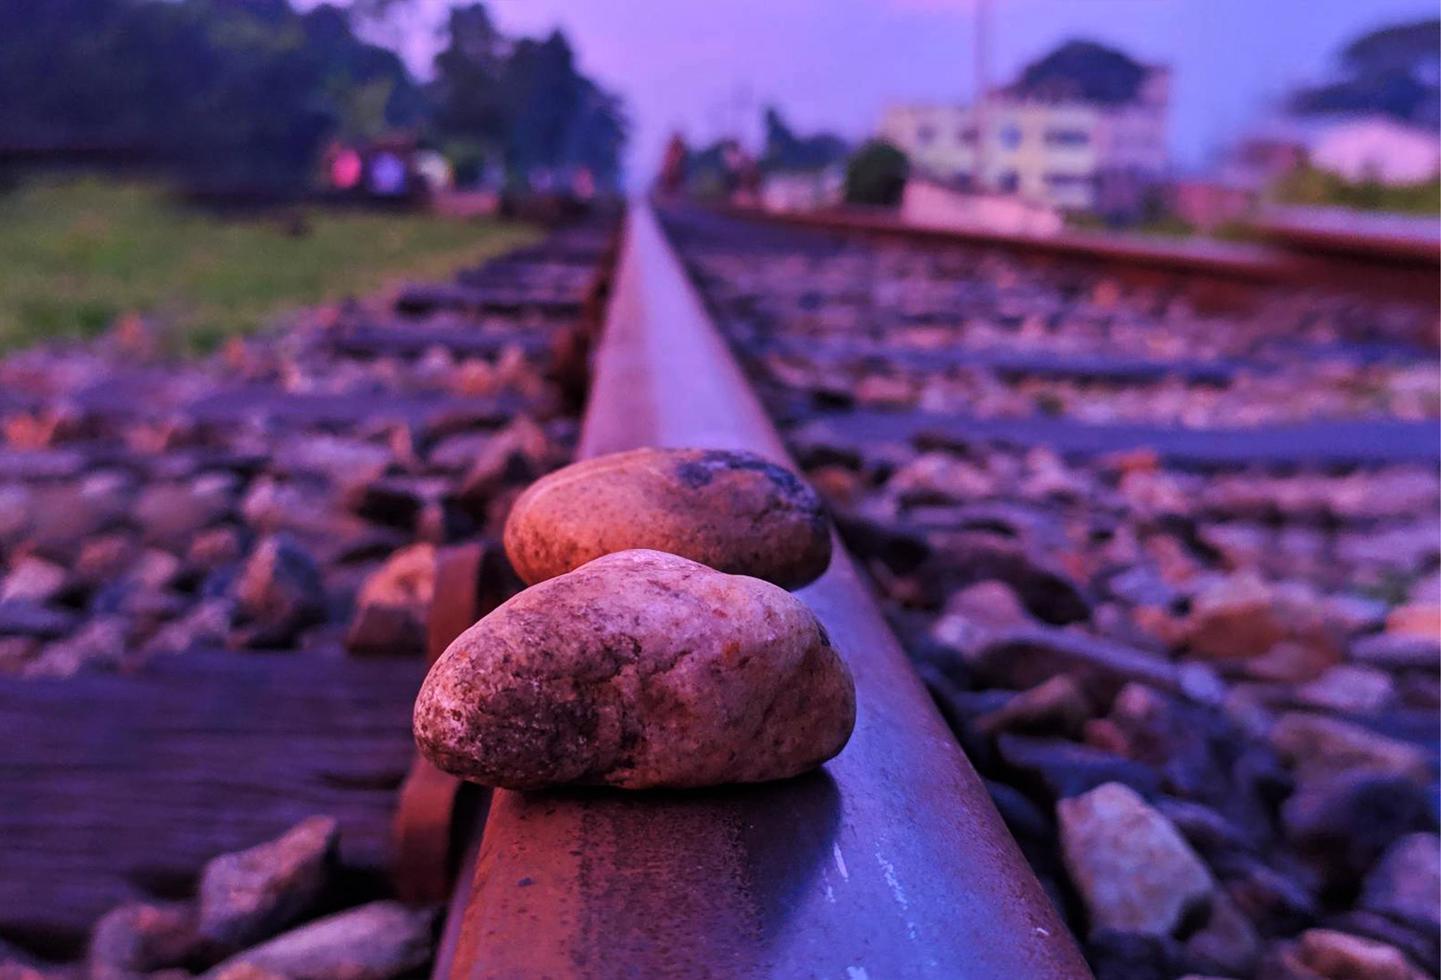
1056	136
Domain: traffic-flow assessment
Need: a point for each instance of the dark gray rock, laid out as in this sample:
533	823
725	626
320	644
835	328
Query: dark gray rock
252	894
972	556
393	502
1023	818
1276	903
1115	955
206	624
1027	657
100	644
1398	651
1134	871
30	619
977	614
1343	824
278	593
1227	943
1055	707
1198	752
1421	944
1406	882
509	458
1318	747
392	605
33	579
170	515
138	938
373	942
1207	830
1343	956
1061	769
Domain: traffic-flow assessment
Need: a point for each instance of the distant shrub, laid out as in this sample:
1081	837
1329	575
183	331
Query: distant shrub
876	174
1313	186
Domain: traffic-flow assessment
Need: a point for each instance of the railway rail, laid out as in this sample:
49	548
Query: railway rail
890	862
1298	247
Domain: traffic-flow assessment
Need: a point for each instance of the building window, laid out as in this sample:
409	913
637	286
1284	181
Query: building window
967	135
1067	137
925	134
1008	182
1010	136
1061	181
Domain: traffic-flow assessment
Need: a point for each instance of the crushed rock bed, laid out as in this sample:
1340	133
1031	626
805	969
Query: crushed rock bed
171	526
1203	691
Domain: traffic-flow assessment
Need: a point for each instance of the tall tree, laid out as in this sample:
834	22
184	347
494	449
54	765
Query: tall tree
1392	71
784	150
1082	70
523	104
469	104
227	91
876	174
246	92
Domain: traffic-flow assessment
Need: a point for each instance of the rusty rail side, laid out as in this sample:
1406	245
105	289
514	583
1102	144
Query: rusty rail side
891	862
471	579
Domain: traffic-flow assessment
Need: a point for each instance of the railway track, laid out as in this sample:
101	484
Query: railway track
768	880
814	876
1041	493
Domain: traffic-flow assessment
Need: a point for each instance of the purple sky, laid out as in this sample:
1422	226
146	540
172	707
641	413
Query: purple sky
700	65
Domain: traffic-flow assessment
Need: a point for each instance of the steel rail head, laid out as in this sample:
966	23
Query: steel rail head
889	862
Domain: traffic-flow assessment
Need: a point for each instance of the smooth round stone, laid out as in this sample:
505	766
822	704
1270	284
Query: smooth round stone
639	669
736	512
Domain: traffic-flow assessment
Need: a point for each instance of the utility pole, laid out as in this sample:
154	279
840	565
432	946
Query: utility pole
983	74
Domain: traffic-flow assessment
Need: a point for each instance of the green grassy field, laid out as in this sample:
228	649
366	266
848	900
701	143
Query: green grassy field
1310	186
75	254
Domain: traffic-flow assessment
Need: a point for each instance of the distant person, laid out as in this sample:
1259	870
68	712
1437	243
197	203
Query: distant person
673	167
388	176
346	169
582	184
434	170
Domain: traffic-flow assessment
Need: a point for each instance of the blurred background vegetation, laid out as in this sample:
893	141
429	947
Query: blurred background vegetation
1310	185
134	110
245	93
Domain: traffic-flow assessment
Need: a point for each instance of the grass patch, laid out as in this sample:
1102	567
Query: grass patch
74	254
1310	186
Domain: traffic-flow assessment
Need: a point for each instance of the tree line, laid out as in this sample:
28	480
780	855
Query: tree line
1393	71
247	93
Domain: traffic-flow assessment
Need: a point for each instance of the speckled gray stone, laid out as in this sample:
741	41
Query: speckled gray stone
736	512
639	669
